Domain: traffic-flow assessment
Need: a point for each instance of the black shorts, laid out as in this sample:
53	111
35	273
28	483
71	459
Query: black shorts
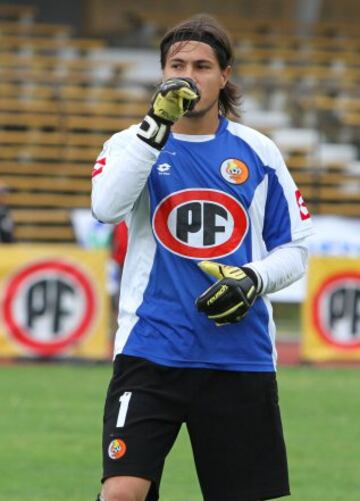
233	421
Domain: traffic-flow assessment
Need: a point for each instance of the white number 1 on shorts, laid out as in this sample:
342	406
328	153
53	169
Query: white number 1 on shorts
124	404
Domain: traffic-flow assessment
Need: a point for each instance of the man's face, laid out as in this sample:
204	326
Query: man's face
197	60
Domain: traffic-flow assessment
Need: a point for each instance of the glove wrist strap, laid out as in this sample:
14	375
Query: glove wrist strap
255	277
154	130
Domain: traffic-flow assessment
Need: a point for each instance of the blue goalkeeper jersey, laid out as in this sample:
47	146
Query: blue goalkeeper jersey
226	197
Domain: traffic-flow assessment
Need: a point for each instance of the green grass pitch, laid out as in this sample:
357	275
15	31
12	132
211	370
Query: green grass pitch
50	426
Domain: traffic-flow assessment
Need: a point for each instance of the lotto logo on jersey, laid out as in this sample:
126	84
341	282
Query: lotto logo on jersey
200	223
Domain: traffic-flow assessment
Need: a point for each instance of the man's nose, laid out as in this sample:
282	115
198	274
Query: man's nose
190	73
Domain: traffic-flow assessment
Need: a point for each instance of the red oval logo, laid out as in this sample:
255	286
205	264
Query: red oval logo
200	223
49	306
335	310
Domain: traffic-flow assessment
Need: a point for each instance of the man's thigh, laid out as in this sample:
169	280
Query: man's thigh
141	421
236	434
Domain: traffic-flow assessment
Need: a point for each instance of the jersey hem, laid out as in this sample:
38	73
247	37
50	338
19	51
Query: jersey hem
193	364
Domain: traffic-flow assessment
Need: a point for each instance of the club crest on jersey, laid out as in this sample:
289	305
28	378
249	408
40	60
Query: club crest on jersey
234	171
200	223
116	449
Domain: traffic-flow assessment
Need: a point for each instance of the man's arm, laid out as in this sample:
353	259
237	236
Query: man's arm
122	168
229	299
283	266
120	174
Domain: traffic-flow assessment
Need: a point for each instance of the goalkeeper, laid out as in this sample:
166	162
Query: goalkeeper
215	224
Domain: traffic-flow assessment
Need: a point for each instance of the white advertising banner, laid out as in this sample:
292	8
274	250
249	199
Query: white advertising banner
334	236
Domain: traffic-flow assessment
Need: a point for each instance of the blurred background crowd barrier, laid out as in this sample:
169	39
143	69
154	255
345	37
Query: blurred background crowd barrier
73	73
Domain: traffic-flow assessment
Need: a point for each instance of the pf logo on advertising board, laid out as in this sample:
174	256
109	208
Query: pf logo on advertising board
49	306
336	310
200	223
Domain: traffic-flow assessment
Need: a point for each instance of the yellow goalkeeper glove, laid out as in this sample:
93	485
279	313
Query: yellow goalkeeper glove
172	100
231	297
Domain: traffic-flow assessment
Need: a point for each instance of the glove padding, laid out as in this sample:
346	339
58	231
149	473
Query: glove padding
172	100
231	297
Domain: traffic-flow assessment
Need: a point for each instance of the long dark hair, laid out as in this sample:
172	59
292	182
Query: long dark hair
205	28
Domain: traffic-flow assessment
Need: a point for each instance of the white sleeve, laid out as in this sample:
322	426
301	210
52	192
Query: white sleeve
120	174
283	266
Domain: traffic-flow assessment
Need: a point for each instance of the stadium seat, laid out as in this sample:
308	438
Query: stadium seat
29	29
297	140
19	13
267	121
330	154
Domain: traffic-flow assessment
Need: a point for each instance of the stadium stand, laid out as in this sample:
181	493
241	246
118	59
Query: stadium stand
60	99
20	13
15	28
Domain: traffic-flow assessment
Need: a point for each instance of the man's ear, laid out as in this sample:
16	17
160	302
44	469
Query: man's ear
225	75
